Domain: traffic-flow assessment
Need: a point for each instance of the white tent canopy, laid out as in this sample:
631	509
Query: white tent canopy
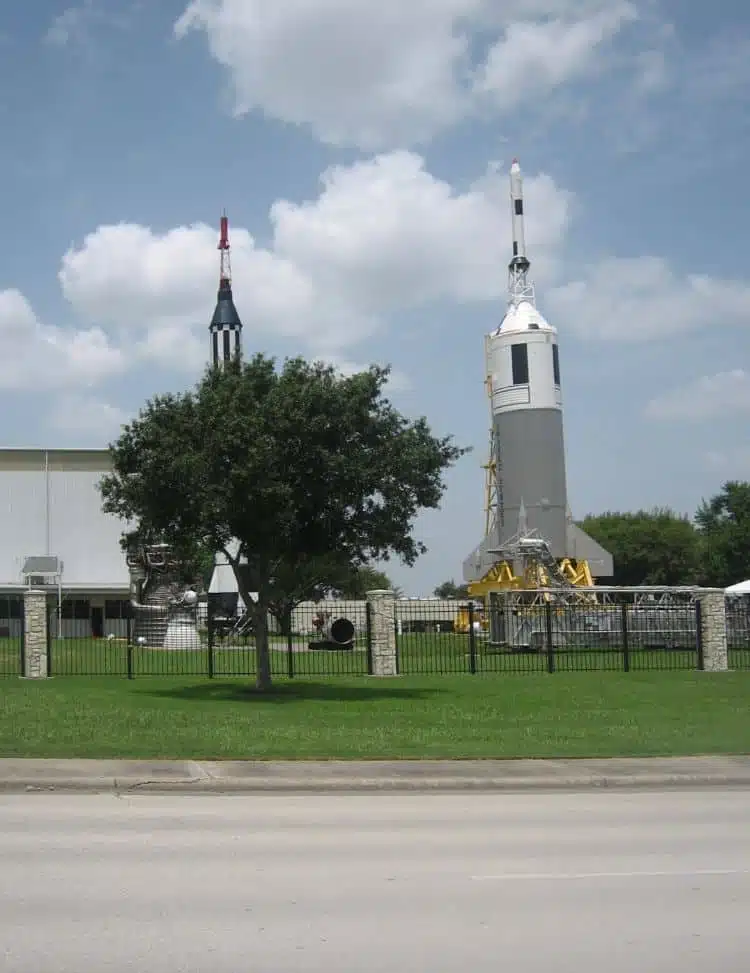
741	588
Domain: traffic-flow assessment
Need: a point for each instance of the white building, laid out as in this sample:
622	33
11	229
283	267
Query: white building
50	507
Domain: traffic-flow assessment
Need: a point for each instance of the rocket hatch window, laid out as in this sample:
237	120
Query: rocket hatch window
555	365
519	360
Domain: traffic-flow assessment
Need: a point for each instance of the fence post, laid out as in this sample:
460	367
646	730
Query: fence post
550	645
22	649
472	640
210	637
35	635
383	625
368	636
290	651
711	625
625	638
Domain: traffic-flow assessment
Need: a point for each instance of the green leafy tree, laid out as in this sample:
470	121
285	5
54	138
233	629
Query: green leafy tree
291	464
649	547
354	581
724	529
449	590
312	579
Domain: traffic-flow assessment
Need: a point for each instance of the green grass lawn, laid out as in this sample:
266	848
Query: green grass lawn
535	715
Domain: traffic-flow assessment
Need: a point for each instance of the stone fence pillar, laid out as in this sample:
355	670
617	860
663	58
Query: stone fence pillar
714	631
35	634
383	632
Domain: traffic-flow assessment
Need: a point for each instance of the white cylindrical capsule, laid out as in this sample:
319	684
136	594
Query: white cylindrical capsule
524	371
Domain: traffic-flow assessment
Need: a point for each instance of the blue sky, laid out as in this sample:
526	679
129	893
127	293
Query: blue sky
361	151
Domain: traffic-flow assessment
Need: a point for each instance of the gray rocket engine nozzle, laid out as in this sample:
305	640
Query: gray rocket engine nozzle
149	563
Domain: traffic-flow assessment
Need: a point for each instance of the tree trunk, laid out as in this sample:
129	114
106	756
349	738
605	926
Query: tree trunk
248	576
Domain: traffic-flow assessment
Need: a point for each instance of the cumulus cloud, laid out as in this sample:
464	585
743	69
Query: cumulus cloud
38	356
395	72
383	235
386	233
546	54
643	298
725	394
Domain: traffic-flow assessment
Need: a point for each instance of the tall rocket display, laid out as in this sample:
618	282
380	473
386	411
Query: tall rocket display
523	380
226	327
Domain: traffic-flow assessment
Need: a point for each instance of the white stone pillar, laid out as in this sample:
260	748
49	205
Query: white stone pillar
383	632
35	634
714	631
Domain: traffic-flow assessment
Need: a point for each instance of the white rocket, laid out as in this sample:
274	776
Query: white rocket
523	375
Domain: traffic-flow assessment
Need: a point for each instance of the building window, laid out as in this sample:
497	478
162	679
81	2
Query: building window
117	608
519	359
10	607
76	608
555	365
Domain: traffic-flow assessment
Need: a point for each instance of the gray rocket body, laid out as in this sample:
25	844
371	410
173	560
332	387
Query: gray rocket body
523	375
531	459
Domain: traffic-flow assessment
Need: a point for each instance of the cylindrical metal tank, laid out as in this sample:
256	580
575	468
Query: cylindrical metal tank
339	630
523	366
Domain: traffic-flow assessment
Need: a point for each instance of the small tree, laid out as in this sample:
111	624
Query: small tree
724	530
653	547
353	582
449	590
294	465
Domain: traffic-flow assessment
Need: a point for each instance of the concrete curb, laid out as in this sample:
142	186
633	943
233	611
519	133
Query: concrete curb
341	777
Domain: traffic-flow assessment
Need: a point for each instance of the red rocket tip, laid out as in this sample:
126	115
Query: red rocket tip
224	234
514	162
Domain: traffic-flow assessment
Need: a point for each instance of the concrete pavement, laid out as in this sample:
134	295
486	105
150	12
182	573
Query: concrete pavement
563	882
233	776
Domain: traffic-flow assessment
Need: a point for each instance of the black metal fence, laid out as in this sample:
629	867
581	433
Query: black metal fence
11	635
525	632
738	631
515	632
312	642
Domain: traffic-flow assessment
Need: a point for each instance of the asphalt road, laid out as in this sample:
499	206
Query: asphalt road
647	881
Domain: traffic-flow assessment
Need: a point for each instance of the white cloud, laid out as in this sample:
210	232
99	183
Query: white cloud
546	54
394	72
725	394
383	235
642	298
38	357
397	381
87	416
158	290
69	26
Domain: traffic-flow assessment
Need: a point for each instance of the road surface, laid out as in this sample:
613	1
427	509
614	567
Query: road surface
560	883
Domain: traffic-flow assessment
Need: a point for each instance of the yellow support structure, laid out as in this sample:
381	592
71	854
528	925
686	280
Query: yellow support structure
500	577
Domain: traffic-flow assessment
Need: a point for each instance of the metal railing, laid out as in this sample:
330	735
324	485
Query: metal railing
514	632
11	635
738	631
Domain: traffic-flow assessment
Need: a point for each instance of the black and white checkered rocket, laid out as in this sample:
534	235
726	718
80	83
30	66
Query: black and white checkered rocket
226	327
